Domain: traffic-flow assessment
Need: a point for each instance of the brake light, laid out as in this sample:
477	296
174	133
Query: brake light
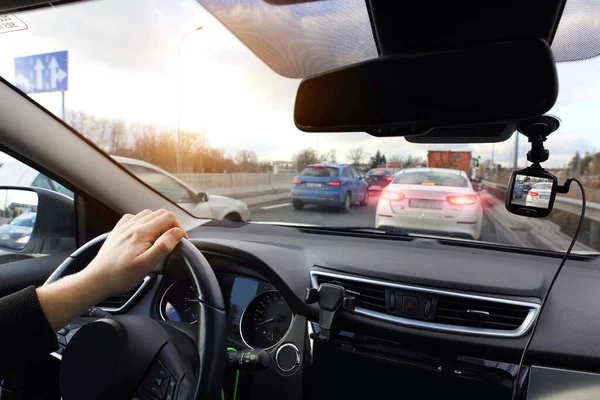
464	200
428	183
334	183
319	166
392	196
388	178
533	193
296	181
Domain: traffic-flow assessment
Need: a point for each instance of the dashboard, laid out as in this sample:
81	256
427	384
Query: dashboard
264	273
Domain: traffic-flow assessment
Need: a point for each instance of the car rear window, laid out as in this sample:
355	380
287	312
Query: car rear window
431	179
378	172
321	172
543	186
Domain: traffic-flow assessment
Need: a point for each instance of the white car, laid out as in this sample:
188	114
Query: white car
539	195
431	200
198	204
15	173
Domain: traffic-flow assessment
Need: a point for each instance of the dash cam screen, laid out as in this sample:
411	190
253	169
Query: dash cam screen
532	191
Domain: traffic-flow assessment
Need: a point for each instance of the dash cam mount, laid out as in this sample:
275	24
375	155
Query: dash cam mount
537	129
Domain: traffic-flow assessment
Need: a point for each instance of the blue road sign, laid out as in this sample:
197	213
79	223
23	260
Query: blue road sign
43	72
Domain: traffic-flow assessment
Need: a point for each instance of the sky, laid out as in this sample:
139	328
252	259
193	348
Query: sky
123	63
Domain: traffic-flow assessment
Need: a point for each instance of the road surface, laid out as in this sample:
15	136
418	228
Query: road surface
357	217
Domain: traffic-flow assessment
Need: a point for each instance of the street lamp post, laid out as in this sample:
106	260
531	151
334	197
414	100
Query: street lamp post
178	138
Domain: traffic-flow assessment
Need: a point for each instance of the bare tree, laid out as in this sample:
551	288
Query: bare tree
246	160
356	155
305	157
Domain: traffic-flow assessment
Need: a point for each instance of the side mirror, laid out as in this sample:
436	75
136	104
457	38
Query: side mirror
362	176
531	193
35	220
200	197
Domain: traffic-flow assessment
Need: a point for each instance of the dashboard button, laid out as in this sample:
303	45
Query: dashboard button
287	358
410	305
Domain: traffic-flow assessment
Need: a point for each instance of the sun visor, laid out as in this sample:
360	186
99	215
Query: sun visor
433	93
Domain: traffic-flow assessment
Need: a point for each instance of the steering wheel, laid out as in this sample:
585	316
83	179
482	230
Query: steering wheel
128	356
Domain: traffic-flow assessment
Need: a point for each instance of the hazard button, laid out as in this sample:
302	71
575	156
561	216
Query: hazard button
410	305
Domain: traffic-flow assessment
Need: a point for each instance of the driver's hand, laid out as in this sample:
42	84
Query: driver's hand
133	248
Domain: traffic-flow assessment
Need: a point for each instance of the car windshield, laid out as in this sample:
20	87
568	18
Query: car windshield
205	90
543	186
27	220
430	178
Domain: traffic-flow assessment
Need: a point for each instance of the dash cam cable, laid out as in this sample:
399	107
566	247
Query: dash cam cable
563	189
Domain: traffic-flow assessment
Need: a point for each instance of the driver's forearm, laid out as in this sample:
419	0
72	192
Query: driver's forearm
69	297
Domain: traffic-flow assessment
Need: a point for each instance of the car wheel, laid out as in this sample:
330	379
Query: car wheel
233	217
298	205
365	200
347	204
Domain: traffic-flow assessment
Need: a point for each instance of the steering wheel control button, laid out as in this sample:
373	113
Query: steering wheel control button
61	339
287	358
155	390
63	331
71	326
71	334
410	305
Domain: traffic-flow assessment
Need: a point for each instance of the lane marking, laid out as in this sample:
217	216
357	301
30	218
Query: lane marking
276	206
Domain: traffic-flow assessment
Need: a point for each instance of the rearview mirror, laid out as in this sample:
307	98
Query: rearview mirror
410	94
531	193
35	220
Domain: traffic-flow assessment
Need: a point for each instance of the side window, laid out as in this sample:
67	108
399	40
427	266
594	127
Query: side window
42	181
347	173
354	173
27	228
61	189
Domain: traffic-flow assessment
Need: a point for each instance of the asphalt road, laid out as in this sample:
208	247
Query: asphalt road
283	211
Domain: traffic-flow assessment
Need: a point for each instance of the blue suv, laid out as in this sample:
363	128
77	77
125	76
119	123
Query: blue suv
337	185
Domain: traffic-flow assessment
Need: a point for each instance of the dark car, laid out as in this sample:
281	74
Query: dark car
526	186
15	234
378	179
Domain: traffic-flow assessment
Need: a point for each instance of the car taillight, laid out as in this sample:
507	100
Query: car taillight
533	193
427	183
388	178
392	196
463	200
296	181
319	166
334	183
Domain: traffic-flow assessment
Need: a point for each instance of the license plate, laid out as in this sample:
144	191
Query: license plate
314	185
542	197
424	203
374	187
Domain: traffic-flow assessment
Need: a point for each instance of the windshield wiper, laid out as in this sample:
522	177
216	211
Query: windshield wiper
384	229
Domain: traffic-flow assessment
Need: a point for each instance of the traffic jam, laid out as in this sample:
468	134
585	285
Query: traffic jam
438	198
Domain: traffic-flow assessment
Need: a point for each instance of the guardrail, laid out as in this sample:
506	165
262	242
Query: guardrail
572	206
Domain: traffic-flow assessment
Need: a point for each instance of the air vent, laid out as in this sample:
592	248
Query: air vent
118	303
368	296
479	313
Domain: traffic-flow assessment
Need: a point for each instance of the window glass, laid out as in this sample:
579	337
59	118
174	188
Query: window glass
165	185
322	172
430	178
42	181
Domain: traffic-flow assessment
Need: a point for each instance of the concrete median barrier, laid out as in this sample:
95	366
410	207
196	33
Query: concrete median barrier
252	188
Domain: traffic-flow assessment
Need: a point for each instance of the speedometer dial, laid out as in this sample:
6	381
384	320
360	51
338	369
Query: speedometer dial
180	303
265	320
